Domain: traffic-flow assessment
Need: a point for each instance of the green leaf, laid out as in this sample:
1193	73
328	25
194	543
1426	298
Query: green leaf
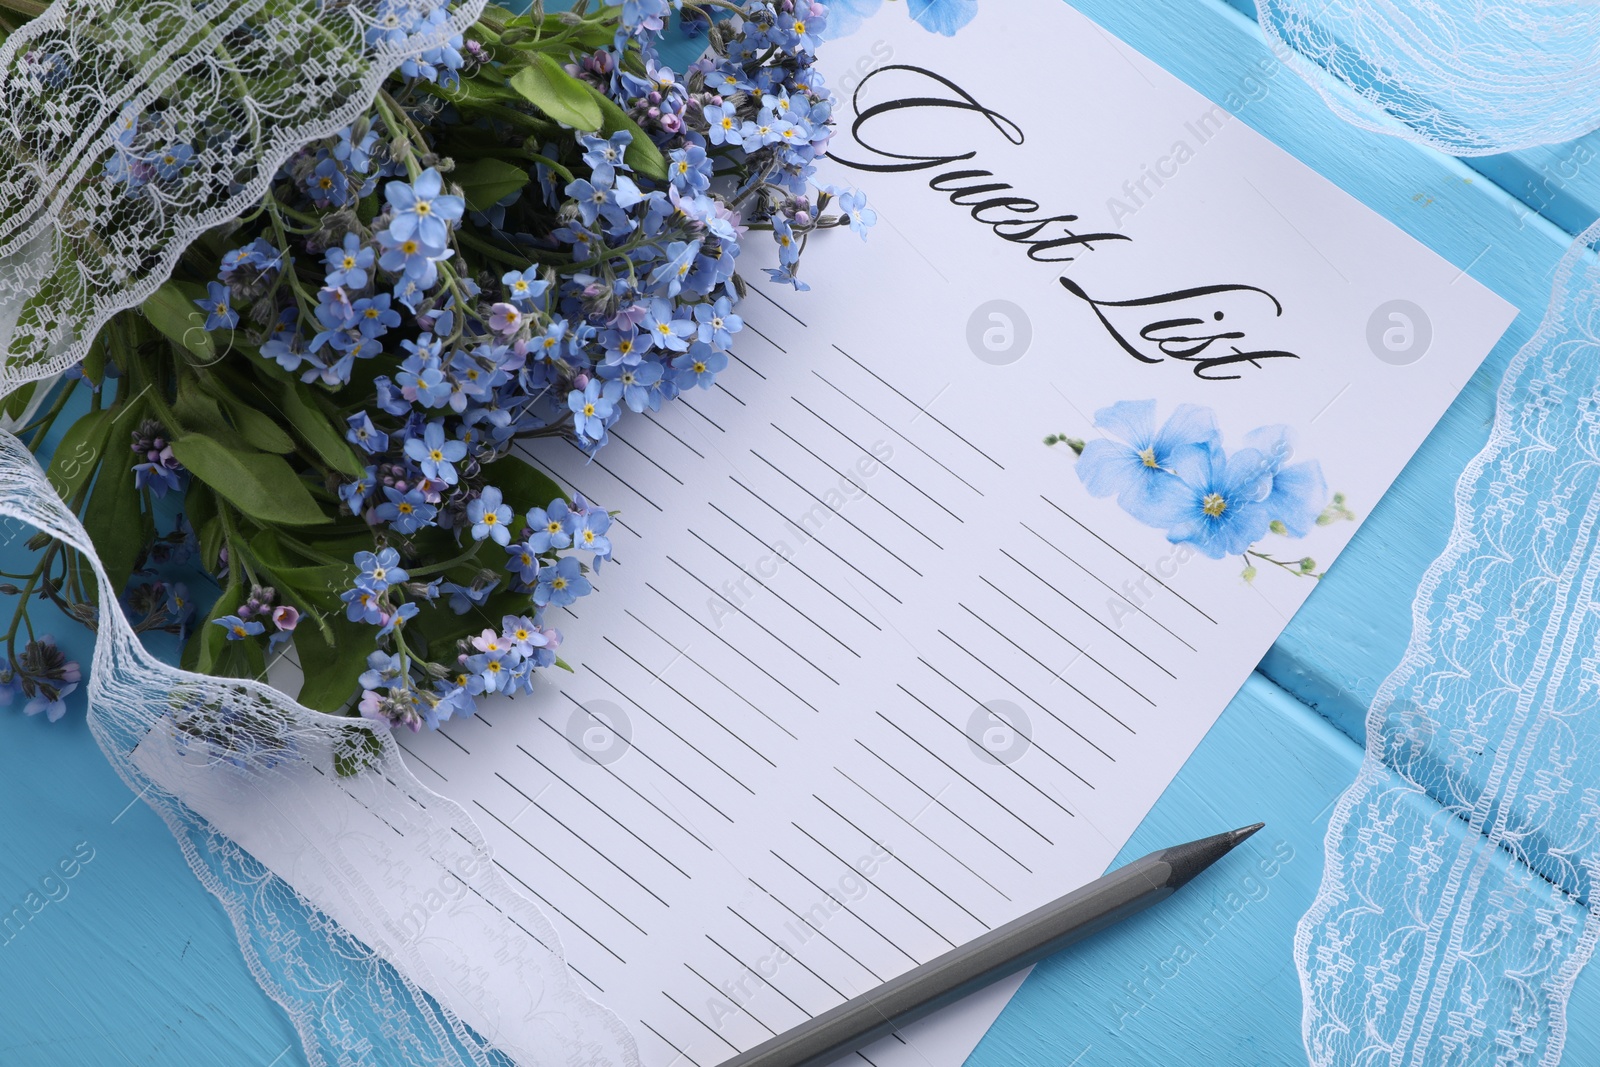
642	154
172	310
114	524
17	400
522	484
356	749
79	453
201	505
313	589
485	181
200	654
316	429
198	412
261	485
558	94
260	429
332	667
94	361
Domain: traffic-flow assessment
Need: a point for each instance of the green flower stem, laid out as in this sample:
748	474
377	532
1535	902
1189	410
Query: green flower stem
29	8
308	307
310	552
238	554
438	568
45	421
488	248
1293	567
399	123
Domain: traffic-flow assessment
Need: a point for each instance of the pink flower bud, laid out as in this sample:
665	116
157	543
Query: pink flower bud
286	617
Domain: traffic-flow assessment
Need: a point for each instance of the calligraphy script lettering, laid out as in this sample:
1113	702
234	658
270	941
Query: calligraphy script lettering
1181	325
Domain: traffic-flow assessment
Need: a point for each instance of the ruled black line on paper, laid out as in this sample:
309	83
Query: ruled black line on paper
690	745
842	477
1080	649
800	613
635	746
934	798
619	780
1125	556
1033	742
601	898
791	564
815	930
886	806
755	622
684	653
739	652
901	860
898	433
808	536
838	513
724	727
1015	773
922	409
759	932
885	464
844	905
1089	615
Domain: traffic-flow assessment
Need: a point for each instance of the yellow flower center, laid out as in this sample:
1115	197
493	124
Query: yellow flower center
588	409
1213	505
409	247
349	261
553	527
435	455
424	207
559	583
1148	455
403	508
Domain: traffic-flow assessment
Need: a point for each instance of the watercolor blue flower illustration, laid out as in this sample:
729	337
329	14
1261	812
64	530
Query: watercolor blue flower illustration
1135	462
1178	477
937	16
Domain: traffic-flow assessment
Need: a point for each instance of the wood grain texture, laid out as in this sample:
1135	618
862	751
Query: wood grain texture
1352	631
1208	976
137	964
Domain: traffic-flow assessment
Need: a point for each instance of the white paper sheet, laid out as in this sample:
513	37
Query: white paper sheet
873	672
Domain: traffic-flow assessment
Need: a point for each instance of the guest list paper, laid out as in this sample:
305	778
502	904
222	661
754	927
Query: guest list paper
873	671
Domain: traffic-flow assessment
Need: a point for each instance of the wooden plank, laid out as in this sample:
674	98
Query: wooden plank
1208	976
1355	626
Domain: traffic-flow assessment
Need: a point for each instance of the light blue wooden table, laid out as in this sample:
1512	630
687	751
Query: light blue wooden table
136	964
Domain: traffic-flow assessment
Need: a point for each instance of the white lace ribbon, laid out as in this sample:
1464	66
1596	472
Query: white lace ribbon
1469	77
418	951
1455	907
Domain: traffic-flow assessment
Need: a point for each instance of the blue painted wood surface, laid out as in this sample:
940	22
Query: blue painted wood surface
136	964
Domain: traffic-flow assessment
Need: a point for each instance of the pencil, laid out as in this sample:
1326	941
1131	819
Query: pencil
1004	950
